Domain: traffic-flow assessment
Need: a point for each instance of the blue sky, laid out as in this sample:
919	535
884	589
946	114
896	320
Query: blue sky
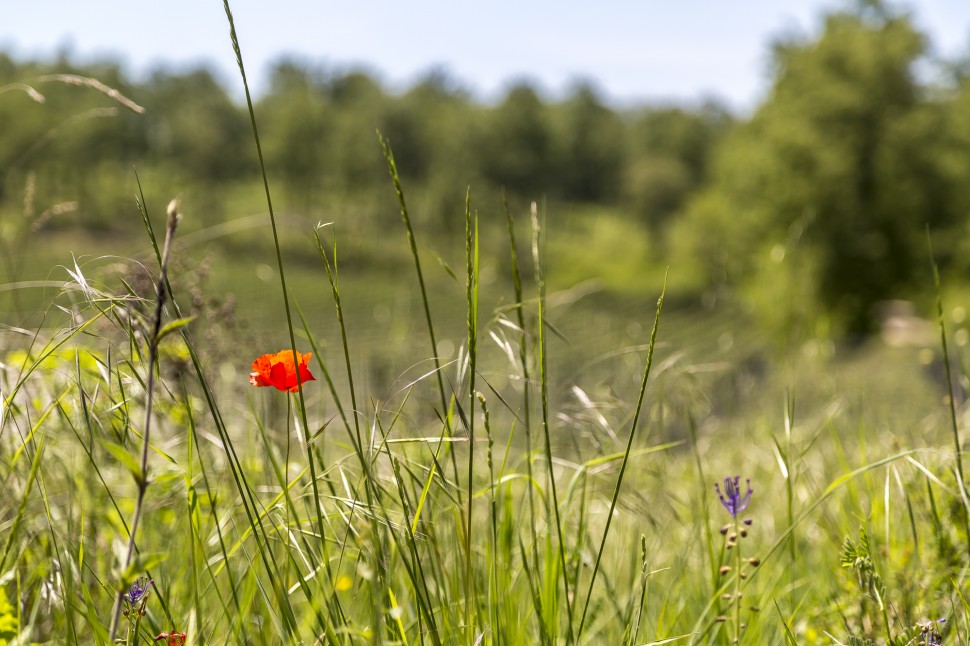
634	50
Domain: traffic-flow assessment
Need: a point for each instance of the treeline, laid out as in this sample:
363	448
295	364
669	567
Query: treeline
811	210
318	128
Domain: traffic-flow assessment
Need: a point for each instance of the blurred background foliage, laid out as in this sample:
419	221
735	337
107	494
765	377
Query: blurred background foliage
807	213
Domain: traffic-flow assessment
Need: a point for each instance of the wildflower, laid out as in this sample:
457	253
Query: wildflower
929	635
136	597
731	498
138	591
174	638
280	370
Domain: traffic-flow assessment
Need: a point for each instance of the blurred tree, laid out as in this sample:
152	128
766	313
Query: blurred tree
949	125
297	127
838	162
71	138
195	130
591	148
668	155
515	144
431	131
360	106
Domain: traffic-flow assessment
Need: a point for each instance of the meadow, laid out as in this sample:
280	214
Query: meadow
492	436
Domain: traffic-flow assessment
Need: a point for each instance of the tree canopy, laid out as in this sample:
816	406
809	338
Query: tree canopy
838	174
811	210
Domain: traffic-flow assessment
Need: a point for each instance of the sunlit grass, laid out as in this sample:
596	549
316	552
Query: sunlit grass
480	459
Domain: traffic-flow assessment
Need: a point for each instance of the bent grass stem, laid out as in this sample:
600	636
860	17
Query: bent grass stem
141	478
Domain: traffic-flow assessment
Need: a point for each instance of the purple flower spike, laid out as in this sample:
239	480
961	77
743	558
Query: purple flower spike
731	498
138	591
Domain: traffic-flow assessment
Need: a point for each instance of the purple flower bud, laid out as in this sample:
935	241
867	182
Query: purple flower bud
731	497
138	591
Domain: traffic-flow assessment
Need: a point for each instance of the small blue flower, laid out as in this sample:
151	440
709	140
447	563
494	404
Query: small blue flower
138	591
931	637
731	498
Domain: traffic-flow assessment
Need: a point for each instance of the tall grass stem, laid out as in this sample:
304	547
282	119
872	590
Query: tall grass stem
626	457
544	395
141	478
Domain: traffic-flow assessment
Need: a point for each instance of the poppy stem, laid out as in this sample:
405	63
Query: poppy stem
141	477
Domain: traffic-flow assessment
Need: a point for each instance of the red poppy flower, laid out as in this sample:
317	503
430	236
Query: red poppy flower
174	638
279	370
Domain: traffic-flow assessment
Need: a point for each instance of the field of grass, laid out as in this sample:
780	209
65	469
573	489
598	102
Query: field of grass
505	441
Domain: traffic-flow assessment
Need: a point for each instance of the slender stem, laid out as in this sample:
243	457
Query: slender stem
493	513
141	477
285	292
406	219
790	492
737	581
958	455
544	398
626	456
471	297
526	383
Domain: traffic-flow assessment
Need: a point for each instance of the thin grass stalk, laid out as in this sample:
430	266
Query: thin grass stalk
790	493
736	523
373	490
633	627
88	448
626	456
141	478
279	262
954	426
355	436
331	387
70	600
471	299
934	514
26	371
493	524
332	277
405	218
532	580
422	594
356	439
702	490
544	391
321	458
285	292
22	506
290	512
235	624
235	466
526	382
53	525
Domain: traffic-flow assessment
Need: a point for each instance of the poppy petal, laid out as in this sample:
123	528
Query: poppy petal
280	370
277	376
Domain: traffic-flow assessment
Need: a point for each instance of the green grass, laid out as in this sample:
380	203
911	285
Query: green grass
493	450
236	520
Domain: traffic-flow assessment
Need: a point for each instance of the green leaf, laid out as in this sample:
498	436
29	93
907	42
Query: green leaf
177	324
444	265
789	635
125	458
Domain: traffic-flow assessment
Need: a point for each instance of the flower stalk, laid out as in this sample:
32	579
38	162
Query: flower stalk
735	502
134	601
141	477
